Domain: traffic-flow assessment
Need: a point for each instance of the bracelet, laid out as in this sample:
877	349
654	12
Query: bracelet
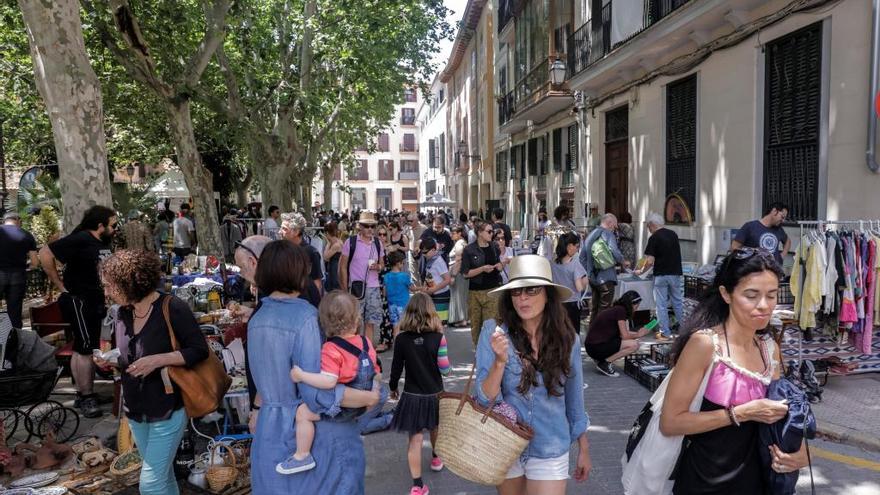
732	416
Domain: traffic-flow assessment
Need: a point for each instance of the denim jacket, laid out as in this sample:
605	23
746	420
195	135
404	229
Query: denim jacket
283	333
557	421
599	277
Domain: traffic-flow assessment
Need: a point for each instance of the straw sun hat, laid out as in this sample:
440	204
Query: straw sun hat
530	270
367	218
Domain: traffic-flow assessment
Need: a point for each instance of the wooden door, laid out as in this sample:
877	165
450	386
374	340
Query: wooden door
616	177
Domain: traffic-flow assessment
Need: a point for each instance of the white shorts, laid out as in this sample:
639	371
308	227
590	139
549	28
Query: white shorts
552	469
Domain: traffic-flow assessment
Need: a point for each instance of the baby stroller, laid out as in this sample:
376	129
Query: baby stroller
25	408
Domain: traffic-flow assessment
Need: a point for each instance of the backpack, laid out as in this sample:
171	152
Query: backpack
602	257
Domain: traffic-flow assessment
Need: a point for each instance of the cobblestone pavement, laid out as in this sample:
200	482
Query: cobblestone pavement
612	404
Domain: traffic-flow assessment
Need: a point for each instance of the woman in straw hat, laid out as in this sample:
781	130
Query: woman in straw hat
530	359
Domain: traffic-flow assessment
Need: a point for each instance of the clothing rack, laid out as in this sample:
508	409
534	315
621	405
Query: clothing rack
820	225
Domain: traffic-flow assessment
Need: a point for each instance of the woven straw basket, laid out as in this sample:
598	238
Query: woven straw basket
130	475
475	443
221	476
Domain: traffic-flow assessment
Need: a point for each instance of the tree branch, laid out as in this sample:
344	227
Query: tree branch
233	92
215	23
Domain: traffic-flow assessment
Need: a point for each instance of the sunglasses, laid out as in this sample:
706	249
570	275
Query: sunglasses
529	291
488	231
745	253
238	244
365	226
382	234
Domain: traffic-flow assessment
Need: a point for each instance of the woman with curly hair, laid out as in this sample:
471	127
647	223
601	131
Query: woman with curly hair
531	360
156	417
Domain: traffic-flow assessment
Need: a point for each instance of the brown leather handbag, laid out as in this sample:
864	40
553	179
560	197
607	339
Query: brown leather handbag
202	386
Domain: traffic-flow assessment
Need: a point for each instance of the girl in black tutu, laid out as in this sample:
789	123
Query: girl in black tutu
420	348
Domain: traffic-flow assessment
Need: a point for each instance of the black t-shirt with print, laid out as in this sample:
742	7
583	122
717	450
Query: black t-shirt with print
81	253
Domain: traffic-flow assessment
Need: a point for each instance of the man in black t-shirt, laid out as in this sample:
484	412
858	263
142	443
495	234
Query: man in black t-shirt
766	233
441	236
82	294
664	253
17	247
498	221
481	265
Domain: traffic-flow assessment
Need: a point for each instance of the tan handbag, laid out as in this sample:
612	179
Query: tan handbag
202	386
476	443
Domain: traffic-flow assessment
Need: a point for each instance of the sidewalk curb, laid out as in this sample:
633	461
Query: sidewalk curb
848	436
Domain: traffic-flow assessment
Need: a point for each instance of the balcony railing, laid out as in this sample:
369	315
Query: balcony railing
589	43
506	108
568	178
409	147
506	8
408	120
537	79
408	176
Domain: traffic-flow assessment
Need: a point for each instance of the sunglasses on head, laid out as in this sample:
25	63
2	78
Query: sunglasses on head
530	291
238	244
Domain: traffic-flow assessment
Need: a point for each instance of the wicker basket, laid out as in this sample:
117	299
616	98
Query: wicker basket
221	476
476	443
129	475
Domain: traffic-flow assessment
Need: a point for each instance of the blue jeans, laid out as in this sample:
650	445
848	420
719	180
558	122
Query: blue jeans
668	288
157	443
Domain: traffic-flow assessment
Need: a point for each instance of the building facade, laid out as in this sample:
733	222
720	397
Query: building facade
431	121
388	178
704	111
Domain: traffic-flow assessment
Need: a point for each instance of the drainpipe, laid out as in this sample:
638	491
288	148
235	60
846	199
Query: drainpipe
871	154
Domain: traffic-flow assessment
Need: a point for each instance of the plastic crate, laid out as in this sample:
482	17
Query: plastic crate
661	352
655	378
784	296
630	364
695	287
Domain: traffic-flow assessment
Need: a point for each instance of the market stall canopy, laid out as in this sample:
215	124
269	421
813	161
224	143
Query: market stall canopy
170	185
437	199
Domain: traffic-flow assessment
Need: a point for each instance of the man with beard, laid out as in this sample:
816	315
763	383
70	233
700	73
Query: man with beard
82	294
766	232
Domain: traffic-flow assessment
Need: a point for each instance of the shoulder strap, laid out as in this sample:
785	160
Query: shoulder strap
348	346
378	246
166	305
352	246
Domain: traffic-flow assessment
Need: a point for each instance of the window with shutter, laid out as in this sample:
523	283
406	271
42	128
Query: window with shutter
430	187
533	156
409	193
432	153
543	154
383	142
793	90
572	156
407	116
557	149
681	140
409	166
409	143
501	166
358	198
514	154
442	153
362	172
386	169
522	161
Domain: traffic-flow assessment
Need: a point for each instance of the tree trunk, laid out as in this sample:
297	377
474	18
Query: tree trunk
328	188
197	177
72	94
241	189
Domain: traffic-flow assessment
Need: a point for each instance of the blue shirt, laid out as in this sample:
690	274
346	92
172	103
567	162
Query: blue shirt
557	421
599	277
397	288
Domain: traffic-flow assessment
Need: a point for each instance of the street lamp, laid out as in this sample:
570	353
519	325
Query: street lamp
557	72
130	171
463	149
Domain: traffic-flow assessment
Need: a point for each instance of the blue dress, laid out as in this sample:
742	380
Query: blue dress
285	332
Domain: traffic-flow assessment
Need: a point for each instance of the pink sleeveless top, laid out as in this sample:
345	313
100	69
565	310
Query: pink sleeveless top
731	384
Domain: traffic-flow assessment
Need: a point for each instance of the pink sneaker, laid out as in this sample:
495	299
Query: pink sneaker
436	464
419	491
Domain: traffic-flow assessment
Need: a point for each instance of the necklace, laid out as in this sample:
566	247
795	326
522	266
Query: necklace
140	317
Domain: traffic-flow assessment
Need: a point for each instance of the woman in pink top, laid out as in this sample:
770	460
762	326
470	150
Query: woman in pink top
725	334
